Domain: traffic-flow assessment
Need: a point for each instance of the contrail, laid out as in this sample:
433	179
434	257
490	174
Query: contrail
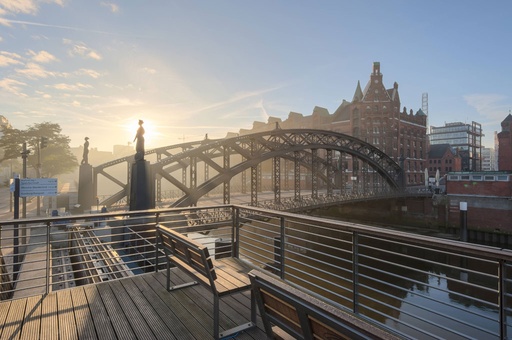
30	23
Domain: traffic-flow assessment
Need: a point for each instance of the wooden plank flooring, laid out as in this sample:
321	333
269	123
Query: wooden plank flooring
134	308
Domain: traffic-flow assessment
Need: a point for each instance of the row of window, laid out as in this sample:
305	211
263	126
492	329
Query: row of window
499	178
434	161
446	169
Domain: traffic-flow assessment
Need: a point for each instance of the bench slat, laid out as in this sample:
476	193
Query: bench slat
304	316
222	277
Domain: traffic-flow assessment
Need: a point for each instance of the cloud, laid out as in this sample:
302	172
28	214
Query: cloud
81	49
114	8
88	72
236	98
42	56
7	58
21	6
12	86
14	7
94	55
490	105
34	71
70	87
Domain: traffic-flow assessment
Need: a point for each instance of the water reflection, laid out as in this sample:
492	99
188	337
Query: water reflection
419	291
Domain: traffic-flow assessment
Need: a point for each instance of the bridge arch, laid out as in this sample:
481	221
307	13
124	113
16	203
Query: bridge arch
304	150
297	145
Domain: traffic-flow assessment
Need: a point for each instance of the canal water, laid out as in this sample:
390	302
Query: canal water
420	292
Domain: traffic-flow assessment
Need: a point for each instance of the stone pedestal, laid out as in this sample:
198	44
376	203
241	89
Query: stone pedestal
142	193
85	188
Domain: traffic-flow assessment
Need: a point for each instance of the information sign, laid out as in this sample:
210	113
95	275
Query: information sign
38	187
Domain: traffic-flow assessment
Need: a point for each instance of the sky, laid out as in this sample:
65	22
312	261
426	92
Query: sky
188	68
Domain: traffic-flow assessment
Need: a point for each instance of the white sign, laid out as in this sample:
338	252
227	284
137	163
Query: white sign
38	187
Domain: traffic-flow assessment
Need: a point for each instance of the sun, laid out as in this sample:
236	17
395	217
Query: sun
150	131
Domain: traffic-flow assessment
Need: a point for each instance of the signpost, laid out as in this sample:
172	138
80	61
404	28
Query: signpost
25	187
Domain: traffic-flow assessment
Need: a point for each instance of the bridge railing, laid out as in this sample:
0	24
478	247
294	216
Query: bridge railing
418	286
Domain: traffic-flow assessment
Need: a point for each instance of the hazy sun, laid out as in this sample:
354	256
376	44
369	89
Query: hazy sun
150	131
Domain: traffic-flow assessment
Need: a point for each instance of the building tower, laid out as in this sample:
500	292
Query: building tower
505	145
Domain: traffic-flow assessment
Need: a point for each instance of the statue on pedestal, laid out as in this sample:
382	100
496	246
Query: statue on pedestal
85	157
139	147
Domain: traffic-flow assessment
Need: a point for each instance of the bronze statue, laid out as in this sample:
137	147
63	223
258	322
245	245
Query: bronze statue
139	147
85	157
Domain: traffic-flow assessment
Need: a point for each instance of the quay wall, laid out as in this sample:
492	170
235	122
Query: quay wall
489	219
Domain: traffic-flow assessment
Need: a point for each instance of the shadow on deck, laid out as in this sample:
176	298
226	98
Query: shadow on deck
138	307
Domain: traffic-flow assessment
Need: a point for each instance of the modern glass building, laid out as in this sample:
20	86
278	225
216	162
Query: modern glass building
465	139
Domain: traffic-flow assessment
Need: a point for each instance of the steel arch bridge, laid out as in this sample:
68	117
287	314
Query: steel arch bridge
310	158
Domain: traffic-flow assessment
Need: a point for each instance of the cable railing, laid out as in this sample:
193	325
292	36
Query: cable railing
418	286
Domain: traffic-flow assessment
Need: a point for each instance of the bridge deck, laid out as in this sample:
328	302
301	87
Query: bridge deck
138	307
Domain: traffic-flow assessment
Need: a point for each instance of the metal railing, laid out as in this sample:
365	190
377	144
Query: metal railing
418	286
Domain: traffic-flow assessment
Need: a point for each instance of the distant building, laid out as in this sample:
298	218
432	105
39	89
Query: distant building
505	145
488	160
375	116
443	158
466	139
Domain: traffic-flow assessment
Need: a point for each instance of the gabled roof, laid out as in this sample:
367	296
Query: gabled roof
380	86
439	150
508	118
420	113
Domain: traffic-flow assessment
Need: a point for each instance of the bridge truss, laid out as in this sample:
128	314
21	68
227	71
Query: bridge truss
296	159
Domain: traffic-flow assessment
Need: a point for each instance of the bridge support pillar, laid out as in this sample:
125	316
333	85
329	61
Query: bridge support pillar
142	194
85	188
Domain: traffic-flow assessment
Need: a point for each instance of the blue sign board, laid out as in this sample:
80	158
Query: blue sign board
38	187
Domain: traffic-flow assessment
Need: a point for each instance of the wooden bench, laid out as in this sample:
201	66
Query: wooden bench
289	313
222	277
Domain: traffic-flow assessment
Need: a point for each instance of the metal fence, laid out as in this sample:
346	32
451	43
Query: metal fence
418	286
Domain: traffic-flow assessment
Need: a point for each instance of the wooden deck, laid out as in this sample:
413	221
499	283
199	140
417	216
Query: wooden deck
134	308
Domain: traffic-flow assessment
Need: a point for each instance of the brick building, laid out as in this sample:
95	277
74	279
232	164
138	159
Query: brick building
488	197
443	158
375	116
505	145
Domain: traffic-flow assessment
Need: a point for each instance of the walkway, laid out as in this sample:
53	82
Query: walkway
135	308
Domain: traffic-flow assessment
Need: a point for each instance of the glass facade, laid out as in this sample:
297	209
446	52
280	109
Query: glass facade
466	139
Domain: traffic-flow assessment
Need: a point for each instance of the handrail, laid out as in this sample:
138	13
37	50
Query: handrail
384	275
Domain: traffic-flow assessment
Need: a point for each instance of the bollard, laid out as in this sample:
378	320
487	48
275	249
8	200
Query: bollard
463	221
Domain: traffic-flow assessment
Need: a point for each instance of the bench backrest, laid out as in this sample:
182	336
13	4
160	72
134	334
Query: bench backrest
187	253
305	317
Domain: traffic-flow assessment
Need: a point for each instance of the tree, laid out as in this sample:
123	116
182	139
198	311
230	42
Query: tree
56	158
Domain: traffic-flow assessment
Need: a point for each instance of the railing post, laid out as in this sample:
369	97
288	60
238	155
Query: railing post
281	249
502	299
235	232
48	253
355	272
156	250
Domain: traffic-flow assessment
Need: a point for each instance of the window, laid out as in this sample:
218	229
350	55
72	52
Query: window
464	178
477	177
488	178
453	178
502	178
